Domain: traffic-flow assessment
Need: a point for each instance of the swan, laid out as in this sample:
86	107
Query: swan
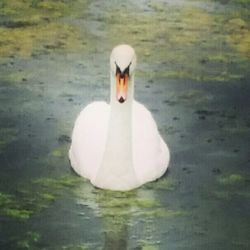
117	146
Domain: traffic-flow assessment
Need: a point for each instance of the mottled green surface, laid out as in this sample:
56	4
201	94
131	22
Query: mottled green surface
193	75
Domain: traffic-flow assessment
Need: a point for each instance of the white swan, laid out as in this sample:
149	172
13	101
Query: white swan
117	146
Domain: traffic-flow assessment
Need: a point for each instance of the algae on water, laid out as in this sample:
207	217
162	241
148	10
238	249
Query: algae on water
212	49
9	206
39	39
239	36
33	28
164	183
194	43
29	240
231	179
232	186
27	202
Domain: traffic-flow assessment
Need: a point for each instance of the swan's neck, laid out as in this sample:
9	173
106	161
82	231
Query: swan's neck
117	164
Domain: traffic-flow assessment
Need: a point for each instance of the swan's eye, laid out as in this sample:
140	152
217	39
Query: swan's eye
126	71
118	70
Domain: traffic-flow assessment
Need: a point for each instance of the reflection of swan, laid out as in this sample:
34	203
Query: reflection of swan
117	146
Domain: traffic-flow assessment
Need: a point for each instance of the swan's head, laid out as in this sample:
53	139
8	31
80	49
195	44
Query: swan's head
122	63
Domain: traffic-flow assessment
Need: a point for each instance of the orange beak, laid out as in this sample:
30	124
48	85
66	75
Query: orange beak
121	87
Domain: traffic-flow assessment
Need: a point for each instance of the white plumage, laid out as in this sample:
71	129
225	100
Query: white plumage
117	146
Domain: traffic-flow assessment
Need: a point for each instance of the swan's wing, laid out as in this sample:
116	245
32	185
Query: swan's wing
150	152
89	138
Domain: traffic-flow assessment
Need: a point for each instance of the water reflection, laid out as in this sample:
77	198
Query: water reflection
116	239
126	214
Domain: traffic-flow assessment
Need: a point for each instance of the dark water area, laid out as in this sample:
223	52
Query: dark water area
192	74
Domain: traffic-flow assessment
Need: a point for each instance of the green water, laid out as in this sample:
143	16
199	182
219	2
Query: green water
192	74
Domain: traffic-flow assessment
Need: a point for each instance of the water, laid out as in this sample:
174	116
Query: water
193	73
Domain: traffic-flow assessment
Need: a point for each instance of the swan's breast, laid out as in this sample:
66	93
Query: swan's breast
150	153
89	139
